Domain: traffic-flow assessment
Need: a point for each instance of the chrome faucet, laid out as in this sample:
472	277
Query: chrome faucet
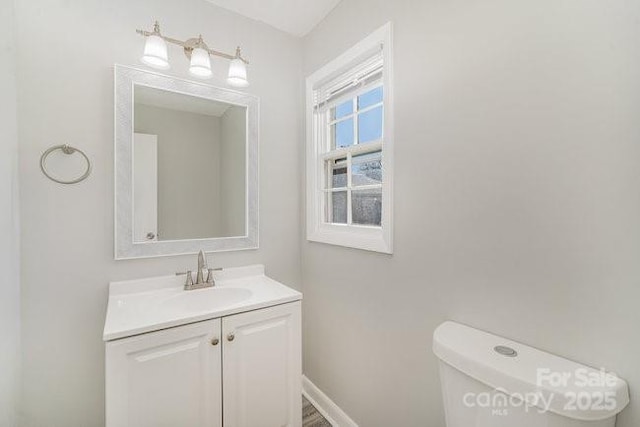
200	280
202	265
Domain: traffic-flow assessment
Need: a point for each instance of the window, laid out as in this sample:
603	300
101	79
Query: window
349	147
354	160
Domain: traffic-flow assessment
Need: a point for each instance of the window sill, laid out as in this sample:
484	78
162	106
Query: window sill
373	239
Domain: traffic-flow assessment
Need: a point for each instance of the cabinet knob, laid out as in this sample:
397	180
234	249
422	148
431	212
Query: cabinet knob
215	341
231	337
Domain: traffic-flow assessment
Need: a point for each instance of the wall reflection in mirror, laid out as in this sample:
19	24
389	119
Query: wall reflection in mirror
189	167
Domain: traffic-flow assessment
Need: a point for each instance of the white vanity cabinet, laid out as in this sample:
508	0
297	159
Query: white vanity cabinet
167	378
241	370
262	368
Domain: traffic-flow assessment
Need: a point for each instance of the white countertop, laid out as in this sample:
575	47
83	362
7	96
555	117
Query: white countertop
145	305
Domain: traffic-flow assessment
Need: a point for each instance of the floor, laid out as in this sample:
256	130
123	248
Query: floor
311	417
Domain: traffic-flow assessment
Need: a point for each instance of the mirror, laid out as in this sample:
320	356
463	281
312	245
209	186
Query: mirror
186	166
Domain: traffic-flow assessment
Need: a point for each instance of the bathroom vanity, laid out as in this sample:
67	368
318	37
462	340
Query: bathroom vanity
184	353
227	356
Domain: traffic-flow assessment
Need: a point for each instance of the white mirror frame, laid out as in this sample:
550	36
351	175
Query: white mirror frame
125	247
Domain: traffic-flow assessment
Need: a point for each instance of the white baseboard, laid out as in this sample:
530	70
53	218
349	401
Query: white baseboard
332	412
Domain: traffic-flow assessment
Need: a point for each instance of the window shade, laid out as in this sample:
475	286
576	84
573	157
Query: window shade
360	75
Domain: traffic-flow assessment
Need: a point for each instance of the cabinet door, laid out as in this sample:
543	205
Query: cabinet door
262	368
168	378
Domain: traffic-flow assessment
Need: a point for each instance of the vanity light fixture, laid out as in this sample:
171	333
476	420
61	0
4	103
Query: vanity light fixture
238	71
155	50
155	55
200	61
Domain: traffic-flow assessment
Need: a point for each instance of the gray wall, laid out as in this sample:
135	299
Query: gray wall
9	248
233	193
517	199
189	149
65	89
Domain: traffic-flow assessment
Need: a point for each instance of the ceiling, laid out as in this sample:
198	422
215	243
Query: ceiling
296	17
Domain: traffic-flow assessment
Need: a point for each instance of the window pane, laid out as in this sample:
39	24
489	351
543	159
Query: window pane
366	169
338	173
337	207
367	99
342	134
370	125
342	110
367	206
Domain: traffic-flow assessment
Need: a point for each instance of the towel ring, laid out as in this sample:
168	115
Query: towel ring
66	149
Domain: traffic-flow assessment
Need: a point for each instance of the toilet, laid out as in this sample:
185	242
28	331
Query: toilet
490	381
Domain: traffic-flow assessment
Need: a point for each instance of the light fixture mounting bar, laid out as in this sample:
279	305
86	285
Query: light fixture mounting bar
188	45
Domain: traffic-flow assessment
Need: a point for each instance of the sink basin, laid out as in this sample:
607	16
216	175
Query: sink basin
155	303
206	299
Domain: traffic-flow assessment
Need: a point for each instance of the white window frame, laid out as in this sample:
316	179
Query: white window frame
372	238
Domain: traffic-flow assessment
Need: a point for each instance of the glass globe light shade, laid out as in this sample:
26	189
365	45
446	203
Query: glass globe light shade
237	73
200	63
155	52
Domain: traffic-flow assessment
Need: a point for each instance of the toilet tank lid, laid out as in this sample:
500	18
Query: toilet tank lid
544	381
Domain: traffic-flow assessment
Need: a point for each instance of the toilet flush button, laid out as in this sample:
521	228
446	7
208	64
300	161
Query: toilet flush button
505	351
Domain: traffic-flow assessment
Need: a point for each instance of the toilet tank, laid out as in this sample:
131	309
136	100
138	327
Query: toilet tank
490	381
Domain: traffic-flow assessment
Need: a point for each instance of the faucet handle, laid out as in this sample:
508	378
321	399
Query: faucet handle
189	281
210	279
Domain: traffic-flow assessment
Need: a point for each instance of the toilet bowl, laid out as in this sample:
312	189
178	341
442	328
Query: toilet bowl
489	381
